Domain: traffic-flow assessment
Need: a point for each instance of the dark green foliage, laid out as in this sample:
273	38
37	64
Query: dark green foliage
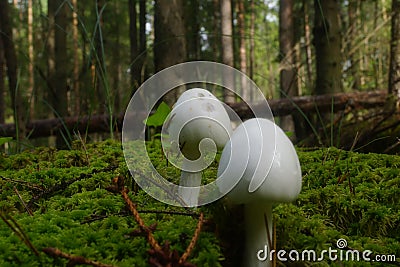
345	195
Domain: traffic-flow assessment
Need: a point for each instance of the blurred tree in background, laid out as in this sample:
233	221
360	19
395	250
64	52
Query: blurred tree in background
73	58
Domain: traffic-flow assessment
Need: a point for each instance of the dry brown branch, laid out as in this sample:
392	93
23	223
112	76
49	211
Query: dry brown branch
23	202
279	107
16	228
73	260
23	183
193	242
132	208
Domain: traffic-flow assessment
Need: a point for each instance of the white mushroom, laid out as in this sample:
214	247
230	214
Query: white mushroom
272	174
200	124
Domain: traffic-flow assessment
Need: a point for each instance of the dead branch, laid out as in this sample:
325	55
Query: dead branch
16	228
73	260
23	202
63	185
279	107
193	242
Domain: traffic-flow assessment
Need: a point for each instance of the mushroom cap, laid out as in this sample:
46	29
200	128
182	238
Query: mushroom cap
198	115
272	164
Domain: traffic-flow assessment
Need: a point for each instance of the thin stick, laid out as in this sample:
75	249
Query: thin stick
23	202
193	242
132	207
14	226
73	260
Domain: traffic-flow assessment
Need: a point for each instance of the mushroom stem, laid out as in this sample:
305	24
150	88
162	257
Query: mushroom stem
190	195
257	251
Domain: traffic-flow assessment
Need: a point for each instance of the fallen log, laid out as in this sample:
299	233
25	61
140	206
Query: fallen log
320	103
279	107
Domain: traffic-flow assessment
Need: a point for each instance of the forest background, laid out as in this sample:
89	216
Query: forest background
69	68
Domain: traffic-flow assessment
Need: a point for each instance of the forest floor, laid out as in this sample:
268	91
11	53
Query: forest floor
62	207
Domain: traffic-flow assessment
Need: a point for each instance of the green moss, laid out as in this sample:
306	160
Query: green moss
344	195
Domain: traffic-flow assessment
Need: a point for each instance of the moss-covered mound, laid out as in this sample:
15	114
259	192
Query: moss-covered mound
345	195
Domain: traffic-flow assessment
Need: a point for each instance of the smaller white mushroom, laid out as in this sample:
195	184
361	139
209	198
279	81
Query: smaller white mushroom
272	174
200	124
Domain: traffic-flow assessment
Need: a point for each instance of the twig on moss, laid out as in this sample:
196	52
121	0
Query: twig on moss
193	242
24	183
132	208
73	260
23	202
14	226
95	217
63	185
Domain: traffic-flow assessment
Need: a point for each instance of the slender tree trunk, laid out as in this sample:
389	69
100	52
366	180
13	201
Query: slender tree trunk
170	43
327	41
217	40
58	66
142	41
192	29
133	37
2	83
242	47
394	71
115	61
307	37
100	67
252	41
75	42
288	77
31	77
10	55
353	14
227	47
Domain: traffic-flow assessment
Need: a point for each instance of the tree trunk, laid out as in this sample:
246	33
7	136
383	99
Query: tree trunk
227	47
170	42
288	77
2	82
10	55
100	67
75	41
142	41
242	48
133	37
307	38
192	29
31	80
353	14
394	69
252	41
58	66
327	41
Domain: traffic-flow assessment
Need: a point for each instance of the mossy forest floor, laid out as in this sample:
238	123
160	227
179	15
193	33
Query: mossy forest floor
345	195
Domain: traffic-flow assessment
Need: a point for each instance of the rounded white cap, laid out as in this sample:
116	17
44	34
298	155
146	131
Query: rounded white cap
272	172
198	115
